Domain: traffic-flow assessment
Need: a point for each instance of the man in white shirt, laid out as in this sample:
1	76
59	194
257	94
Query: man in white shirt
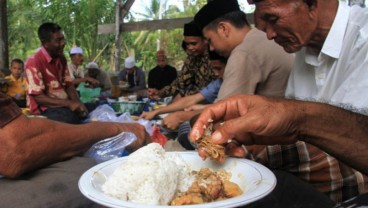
331	44
75	67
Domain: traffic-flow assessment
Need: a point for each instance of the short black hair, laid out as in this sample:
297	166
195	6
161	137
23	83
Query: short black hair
214	56
237	18
17	60
46	30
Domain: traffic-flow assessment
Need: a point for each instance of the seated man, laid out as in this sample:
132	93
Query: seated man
163	74
50	89
104	81
196	72
41	163
75	67
17	85
209	93
131	74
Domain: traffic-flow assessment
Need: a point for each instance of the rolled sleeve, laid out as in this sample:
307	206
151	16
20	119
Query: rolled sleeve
210	91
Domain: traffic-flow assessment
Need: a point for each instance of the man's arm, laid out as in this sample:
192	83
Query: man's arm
175	106
259	120
339	132
72	93
77	81
173	120
41	142
45	100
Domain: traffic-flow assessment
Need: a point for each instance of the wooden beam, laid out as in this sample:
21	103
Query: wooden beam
164	24
125	9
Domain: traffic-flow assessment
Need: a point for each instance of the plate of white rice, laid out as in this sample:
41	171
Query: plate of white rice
151	177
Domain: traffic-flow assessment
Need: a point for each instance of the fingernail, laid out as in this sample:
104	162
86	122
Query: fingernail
216	137
195	135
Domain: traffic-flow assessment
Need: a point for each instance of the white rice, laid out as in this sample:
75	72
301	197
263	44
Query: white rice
149	176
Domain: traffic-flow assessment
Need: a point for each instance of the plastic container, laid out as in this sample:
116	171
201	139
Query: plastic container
132	107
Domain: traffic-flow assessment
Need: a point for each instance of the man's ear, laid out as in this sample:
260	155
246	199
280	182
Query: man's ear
313	10
44	43
223	29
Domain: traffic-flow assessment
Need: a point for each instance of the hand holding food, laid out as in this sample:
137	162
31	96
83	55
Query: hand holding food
249	119
213	151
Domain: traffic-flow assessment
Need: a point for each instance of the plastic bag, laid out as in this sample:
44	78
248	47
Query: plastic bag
158	137
102	113
106	113
111	148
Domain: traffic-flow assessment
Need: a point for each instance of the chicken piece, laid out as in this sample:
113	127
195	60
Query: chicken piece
214	188
209	186
214	151
231	189
191	198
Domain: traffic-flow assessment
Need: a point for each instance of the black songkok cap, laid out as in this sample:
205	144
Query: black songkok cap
213	10
191	29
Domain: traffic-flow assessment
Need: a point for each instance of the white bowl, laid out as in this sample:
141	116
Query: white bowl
254	179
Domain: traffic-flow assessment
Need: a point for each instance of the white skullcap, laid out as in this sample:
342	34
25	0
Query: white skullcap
76	50
92	65
129	62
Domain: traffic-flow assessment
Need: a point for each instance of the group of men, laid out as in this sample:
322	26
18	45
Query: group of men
313	147
328	40
323	71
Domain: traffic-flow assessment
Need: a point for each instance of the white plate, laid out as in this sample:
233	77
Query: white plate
253	178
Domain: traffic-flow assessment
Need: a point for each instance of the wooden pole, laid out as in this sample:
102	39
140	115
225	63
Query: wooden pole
4	50
121	12
117	35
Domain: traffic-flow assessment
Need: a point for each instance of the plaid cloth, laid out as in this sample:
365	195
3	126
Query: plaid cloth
314	166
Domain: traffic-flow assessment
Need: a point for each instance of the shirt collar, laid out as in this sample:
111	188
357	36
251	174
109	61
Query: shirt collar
333	43
46	54
13	78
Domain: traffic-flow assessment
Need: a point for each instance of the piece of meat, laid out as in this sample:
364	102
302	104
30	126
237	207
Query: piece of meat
208	186
214	151
231	189
191	198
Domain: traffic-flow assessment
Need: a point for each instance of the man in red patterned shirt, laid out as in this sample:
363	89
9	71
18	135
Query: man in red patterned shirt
51	92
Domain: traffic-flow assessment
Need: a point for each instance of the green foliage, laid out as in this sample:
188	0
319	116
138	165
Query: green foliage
79	20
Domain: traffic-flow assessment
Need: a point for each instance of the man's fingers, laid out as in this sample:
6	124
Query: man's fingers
202	153
235	150
225	132
200	125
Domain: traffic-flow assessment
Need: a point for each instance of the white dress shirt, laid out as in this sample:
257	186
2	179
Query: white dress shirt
339	73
